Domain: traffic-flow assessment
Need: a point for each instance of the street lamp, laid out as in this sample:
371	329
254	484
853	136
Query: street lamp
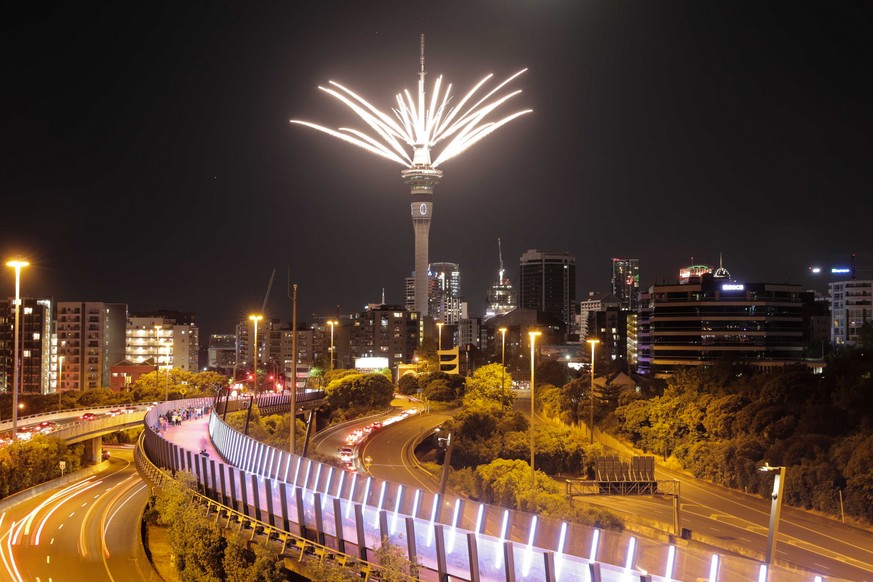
331	323
593	343
502	331
533	338
775	509
256	319
16	264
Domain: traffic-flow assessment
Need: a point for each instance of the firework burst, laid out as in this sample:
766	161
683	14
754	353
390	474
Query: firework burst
423	125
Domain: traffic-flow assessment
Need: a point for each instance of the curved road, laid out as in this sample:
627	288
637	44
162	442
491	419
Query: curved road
88	530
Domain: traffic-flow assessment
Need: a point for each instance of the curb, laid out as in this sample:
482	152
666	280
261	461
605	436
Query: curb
32	492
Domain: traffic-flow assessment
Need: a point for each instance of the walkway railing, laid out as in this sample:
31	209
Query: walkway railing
349	513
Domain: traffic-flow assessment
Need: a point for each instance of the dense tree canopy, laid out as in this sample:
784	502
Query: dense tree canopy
720	423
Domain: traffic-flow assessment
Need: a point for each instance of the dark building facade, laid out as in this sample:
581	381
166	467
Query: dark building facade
548	283
708	320
387	331
626	282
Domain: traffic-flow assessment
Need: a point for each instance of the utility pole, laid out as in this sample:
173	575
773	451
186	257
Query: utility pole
293	443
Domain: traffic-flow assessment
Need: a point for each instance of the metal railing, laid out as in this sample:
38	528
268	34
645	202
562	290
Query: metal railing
303	547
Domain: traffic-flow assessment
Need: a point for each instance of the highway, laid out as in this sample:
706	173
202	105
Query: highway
734	519
86	531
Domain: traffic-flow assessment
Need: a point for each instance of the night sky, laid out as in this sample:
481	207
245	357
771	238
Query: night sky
147	156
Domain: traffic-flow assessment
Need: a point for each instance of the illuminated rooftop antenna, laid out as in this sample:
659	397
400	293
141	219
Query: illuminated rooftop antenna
721	272
500	255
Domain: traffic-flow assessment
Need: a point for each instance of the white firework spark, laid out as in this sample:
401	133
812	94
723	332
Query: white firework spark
420	125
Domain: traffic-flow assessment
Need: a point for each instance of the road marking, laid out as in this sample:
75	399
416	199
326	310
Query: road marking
60	526
48	559
72	514
84	504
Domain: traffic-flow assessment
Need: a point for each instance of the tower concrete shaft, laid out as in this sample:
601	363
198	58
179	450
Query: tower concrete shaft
421	179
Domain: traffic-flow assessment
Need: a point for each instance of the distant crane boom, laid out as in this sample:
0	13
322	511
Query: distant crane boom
267	295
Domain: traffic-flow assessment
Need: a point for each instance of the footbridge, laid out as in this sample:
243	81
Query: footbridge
320	509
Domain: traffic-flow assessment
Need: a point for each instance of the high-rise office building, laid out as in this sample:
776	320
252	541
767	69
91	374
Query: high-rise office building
500	298
626	282
707	319
387	331
35	333
91	339
221	352
444	301
851	307
169	338
548	283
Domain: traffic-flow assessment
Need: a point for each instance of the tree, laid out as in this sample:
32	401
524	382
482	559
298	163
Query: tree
485	385
426	356
360	390
575	399
408	384
394	565
552	372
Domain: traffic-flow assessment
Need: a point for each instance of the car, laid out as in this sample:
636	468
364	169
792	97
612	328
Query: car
129	409
106	454
24	433
368	429
115	412
46	426
345	454
376	425
88	416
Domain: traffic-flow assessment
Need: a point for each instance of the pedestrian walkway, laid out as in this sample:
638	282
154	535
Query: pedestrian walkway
192	435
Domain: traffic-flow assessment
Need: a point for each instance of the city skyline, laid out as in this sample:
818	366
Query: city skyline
149	158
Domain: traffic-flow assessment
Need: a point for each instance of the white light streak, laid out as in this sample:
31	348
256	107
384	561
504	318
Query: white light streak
713	569
671	561
561	540
528	557
631	551
479	518
397	503
420	125
595	541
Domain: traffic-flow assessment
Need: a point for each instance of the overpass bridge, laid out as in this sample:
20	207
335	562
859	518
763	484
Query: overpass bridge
347	515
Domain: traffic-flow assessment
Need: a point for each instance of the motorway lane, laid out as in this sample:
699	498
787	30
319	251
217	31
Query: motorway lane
391	450
88	530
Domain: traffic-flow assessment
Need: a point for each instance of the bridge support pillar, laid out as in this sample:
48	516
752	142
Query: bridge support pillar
95	448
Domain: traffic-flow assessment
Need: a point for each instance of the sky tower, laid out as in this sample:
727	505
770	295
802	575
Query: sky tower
421	125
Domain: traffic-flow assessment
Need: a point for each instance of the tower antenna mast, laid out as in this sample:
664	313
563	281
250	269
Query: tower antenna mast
500	255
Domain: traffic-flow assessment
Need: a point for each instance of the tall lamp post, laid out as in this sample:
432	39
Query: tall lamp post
533	476
332	324
502	331
255	318
16	264
775	510
593	343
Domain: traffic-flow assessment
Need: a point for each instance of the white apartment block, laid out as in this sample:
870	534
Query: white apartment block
851	307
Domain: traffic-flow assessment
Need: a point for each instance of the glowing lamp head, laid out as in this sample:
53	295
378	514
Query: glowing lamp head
17	264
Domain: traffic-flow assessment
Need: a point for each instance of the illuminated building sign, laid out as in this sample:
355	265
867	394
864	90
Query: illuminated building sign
840	270
371	363
733	287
